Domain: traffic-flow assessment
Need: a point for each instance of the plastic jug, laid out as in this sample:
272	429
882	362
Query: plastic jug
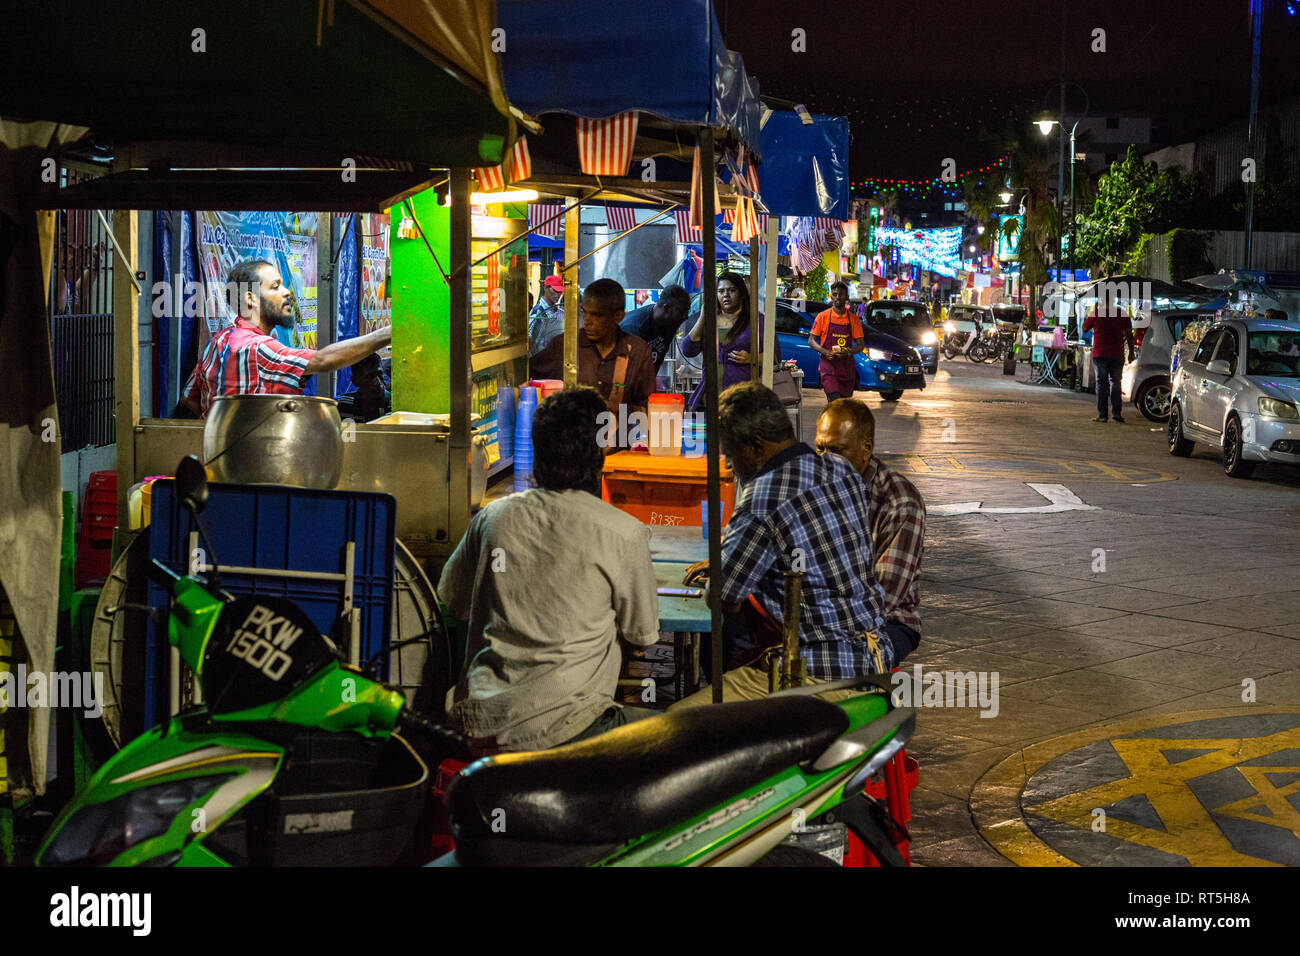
666	423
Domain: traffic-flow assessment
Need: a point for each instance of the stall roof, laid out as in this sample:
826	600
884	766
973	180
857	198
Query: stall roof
595	59
396	79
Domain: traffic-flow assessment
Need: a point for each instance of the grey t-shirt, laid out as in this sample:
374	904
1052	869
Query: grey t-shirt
548	582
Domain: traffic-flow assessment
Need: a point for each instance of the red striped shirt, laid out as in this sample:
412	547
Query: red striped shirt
241	359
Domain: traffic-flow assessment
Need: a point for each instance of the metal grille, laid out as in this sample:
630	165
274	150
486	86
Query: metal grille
81	325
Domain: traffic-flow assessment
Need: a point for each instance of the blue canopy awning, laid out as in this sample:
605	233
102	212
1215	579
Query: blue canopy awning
595	59
805	169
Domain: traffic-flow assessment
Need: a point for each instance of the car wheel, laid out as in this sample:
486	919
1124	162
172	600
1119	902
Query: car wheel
892	395
1234	462
1152	399
1178	445
934	369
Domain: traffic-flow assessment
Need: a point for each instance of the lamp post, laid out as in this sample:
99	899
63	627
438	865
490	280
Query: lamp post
1045	123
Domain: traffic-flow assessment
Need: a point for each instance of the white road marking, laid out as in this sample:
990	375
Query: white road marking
1060	497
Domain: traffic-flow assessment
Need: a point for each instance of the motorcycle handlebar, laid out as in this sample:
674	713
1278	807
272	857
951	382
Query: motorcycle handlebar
434	733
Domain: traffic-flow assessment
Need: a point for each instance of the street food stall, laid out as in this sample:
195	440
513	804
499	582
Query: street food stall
310	143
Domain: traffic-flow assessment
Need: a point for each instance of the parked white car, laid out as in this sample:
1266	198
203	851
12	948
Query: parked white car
1240	391
1146	381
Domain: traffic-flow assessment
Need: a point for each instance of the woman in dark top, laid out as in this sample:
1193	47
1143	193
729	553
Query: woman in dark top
735	336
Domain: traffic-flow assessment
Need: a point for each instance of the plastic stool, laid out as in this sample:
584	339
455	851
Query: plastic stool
442	841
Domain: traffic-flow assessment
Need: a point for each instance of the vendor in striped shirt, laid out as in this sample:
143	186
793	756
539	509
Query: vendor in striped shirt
848	429
246	359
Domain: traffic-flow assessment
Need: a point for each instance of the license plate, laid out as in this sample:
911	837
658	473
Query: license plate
913	370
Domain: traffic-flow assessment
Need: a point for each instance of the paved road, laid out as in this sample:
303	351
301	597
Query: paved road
1138	585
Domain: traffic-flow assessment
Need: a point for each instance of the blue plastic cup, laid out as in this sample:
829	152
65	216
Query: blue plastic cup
704	517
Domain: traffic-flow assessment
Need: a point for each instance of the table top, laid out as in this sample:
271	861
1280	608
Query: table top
679	613
684	543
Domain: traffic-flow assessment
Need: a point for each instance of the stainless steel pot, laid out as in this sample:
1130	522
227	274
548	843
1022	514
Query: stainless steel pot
274	440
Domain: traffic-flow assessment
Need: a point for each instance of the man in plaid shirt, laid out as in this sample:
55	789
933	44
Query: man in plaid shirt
245	359
797	510
847	428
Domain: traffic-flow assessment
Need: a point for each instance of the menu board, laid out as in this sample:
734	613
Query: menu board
376	305
498	285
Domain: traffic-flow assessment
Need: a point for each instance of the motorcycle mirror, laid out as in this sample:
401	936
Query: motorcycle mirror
192	483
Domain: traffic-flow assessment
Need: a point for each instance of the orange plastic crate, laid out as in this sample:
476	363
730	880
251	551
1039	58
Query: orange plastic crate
663	490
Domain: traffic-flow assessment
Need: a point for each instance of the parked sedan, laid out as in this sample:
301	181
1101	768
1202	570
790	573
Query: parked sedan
889	365
1146	381
909	321
1240	391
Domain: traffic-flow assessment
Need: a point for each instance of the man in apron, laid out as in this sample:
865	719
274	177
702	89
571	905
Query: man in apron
837	336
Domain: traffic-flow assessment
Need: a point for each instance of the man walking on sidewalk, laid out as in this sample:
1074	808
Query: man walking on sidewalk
1112	337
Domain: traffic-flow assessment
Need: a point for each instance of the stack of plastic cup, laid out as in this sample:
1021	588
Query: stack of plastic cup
506	421
524	438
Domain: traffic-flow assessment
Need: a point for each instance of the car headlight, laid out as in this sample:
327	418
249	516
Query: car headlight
1277	409
95	835
929	338
876	355
949	327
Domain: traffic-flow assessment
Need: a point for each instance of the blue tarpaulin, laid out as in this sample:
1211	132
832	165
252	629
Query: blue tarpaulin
805	169
595	59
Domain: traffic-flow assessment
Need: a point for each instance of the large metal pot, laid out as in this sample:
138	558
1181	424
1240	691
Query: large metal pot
274	440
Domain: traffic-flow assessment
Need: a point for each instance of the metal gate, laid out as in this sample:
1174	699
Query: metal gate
81	325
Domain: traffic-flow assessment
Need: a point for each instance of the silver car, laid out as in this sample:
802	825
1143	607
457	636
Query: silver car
1146	381
1240	391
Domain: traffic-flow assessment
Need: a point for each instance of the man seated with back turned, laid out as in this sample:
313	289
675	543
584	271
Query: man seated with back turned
796	510
549	580
612	361
848	429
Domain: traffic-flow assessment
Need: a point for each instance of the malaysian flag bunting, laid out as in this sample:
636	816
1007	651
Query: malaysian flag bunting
697	193
620	218
746	222
490	179
729	216
545	219
687	234
521	164
605	146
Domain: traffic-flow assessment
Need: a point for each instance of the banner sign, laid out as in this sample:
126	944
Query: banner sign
285	239
376	302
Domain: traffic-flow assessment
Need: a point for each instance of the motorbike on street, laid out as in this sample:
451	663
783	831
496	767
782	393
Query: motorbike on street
295	758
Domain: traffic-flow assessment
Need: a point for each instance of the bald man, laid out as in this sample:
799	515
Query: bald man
847	428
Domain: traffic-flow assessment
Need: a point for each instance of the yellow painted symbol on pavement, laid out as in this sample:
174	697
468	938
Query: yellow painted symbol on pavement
1189	830
1190	783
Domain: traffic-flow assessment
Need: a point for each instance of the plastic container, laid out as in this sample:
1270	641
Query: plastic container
1058	337
693	435
662	491
524	437
546	386
666	410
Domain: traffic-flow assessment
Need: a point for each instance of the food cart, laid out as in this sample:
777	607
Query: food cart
311	142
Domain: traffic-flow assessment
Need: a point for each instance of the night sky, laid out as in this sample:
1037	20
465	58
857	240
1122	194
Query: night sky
920	79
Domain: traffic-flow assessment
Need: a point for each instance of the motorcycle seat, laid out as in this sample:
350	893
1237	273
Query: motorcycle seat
635	779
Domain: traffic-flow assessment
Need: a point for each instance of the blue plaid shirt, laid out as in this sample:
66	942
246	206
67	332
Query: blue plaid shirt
813	509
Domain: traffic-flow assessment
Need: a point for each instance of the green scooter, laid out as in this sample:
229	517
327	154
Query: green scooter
294	758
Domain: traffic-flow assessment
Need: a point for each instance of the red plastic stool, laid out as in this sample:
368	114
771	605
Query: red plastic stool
901	775
442	842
